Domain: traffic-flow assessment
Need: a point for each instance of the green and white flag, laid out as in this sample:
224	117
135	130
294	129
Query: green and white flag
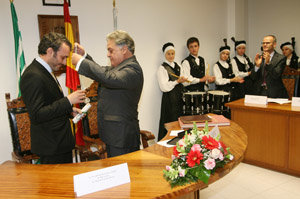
19	53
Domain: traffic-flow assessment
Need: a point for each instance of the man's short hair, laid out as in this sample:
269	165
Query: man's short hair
273	36
122	38
52	40
192	40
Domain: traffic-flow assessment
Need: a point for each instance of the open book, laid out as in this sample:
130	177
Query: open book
216	120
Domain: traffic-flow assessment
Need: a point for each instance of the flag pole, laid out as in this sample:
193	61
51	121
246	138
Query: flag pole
115	12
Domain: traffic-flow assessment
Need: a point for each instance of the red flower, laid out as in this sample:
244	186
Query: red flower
194	157
175	152
209	142
224	148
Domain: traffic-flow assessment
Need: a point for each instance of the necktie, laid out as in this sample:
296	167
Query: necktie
264	73
57	82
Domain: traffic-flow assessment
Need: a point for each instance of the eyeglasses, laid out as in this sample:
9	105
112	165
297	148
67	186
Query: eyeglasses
266	43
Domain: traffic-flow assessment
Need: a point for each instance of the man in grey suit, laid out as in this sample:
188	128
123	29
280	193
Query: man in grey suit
49	110
268	70
120	87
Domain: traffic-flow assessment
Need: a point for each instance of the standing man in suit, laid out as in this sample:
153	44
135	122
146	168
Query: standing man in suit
268	70
120	87
49	110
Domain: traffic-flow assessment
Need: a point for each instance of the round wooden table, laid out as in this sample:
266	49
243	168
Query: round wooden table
145	168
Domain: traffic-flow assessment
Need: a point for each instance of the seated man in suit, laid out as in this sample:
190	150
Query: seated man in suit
268	70
120	86
49	110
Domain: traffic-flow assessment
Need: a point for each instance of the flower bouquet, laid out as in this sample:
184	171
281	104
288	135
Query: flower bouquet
196	156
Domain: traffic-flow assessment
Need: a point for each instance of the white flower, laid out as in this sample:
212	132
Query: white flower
181	143
230	157
181	172
168	168
200	133
209	163
221	157
192	138
173	157
215	153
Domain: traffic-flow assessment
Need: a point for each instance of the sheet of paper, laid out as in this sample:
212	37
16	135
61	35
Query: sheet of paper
215	133
279	100
175	132
101	179
296	101
164	143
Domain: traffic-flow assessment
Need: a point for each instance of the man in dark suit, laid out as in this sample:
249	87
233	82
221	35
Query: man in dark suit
49	110
120	87
268	70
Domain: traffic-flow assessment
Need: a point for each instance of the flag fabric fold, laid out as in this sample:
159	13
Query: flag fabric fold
72	77
19	52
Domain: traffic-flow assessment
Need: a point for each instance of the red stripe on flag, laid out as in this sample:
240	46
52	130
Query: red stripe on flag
72	78
66	12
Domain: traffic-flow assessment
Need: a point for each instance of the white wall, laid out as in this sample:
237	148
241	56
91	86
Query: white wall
277	17
150	23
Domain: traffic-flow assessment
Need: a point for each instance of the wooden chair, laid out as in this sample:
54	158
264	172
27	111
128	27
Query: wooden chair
146	137
289	76
20	130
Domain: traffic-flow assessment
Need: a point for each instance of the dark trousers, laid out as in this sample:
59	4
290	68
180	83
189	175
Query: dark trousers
115	151
57	158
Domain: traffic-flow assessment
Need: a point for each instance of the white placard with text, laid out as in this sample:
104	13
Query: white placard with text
296	101
256	99
101	179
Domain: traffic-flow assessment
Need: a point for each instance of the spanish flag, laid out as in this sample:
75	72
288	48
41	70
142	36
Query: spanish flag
72	77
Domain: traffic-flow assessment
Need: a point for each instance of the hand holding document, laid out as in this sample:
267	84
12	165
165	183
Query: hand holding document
84	110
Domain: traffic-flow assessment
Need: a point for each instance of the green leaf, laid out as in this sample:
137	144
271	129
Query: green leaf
206	127
202	174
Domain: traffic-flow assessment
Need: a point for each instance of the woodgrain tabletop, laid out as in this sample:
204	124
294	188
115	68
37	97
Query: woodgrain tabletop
145	168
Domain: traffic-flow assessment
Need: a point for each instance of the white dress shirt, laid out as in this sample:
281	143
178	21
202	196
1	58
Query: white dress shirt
43	63
163	78
218	74
186	72
235	68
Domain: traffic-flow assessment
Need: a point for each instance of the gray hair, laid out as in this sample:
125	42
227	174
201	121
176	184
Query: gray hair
122	38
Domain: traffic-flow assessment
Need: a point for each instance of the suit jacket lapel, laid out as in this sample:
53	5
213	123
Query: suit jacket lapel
46	74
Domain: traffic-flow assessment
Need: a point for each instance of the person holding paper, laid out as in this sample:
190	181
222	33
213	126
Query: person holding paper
49	110
194	68
268	71
120	87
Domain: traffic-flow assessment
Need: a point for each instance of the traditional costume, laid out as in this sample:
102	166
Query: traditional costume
171	104
241	65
